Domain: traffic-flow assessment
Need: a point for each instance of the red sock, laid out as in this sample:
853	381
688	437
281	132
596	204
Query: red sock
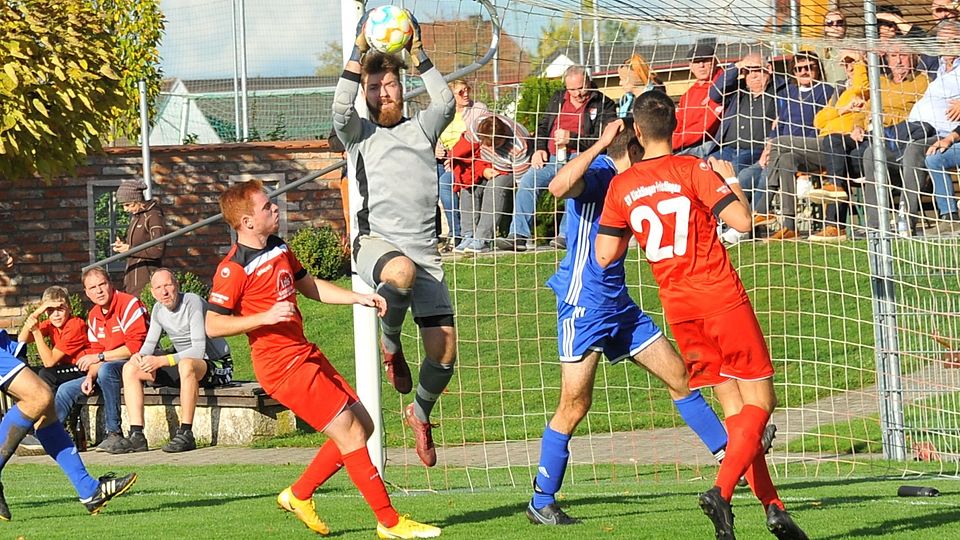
367	479
326	463
744	430
758	476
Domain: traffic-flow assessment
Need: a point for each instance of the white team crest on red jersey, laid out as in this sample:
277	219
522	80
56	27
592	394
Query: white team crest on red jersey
704	166
225	272
285	287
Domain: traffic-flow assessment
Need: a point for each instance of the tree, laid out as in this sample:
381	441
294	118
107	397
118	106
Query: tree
59	90
331	60
137	26
560	33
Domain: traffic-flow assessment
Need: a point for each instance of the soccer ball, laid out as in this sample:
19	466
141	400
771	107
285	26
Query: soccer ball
388	29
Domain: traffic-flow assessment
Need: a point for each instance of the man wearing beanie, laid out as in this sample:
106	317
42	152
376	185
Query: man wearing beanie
146	223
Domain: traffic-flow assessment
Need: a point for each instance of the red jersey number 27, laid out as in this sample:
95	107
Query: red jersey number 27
644	218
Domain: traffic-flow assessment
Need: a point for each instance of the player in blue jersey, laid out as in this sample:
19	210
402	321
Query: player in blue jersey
35	408
595	315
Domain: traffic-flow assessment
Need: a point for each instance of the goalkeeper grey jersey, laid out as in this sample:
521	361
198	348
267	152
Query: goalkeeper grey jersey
394	170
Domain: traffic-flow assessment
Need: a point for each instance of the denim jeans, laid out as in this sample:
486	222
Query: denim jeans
939	163
753	181
741	158
449	201
531	185
110	380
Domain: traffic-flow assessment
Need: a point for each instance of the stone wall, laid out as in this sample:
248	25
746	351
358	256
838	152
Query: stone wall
47	226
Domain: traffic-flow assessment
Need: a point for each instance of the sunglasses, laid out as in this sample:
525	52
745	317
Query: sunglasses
803	67
835	22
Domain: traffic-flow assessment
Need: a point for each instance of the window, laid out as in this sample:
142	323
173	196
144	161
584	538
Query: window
107	222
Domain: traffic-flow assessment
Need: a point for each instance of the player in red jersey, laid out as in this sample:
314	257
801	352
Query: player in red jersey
671	204
255	293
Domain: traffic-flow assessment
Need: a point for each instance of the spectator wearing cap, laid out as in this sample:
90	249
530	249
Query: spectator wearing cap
698	117
146	224
797	104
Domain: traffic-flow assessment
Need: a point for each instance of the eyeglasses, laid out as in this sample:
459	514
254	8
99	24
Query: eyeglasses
803	67
835	22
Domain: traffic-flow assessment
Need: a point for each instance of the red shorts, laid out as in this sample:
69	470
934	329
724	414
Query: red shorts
725	346
315	391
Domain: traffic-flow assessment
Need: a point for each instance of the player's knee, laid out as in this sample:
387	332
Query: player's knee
187	368
396	270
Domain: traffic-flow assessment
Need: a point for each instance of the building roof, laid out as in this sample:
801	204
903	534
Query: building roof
660	56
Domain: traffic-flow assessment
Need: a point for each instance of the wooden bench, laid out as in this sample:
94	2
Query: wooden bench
236	414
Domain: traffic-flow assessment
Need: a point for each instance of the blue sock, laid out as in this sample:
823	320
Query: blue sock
13	428
58	445
704	422
554	454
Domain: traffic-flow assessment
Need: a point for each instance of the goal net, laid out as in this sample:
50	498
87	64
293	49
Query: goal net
858	299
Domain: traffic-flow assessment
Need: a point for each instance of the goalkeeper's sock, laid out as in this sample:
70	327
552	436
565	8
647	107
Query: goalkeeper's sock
698	414
434	378
745	429
758	476
554	455
58	445
398	301
324	465
367	479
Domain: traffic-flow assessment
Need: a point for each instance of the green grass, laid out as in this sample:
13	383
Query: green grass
237	502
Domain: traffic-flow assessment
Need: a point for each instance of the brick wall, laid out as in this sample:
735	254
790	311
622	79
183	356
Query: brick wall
47	226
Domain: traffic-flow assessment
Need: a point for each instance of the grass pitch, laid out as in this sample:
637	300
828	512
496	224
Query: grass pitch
238	502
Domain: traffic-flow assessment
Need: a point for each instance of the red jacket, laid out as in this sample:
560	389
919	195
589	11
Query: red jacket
697	115
124	323
467	166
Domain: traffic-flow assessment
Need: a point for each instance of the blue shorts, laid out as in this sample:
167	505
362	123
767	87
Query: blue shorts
618	334
10	365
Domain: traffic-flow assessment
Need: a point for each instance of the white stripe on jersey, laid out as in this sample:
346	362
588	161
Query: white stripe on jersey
264	258
580	258
130	314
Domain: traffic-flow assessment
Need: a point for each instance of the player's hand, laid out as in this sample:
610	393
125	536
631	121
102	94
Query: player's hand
87	360
360	45
280	312
953	110
722	167
539	158
372	300
610	132
88	384
415	44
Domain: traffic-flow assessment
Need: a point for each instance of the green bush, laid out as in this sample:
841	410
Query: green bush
322	251
549	214
535	93
189	282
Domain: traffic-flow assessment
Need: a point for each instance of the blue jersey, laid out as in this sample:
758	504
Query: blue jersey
579	280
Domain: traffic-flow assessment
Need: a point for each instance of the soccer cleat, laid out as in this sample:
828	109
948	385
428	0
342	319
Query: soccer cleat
4	509
782	525
115	443
183	441
306	511
137	442
550	514
407	528
110	487
423	437
719	512
398	372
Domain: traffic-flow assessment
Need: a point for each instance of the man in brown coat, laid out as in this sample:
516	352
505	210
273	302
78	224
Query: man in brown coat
146	223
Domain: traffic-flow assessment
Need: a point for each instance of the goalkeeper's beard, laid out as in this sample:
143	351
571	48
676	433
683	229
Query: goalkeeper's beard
388	114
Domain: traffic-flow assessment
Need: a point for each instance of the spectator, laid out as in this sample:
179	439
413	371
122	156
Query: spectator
932	117
942	156
834	27
945	9
796	108
500	152
6	260
636	77
467	110
68	337
181	316
146	223
891	24
571	122
116	327
698	117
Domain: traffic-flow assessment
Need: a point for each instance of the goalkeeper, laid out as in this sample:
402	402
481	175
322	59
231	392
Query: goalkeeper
595	315
394	174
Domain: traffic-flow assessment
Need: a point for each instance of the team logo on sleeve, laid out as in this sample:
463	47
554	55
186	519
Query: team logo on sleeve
704	166
225	272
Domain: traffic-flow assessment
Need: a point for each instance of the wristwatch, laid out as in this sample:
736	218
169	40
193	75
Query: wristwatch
101	357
